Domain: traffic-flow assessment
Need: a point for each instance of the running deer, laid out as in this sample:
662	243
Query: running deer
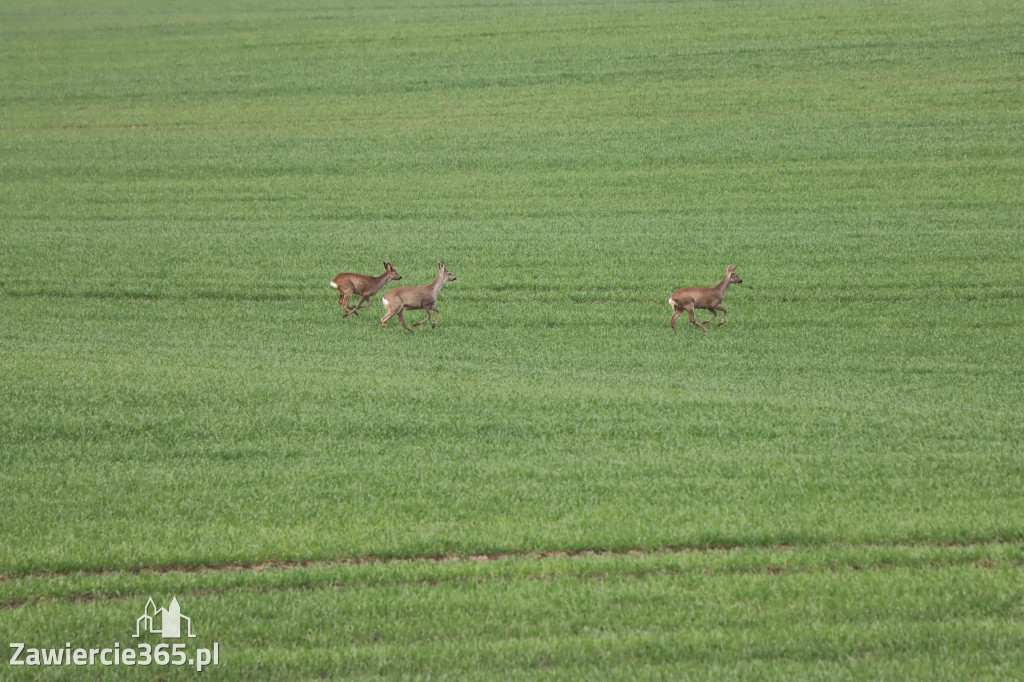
705	298
416	298
348	283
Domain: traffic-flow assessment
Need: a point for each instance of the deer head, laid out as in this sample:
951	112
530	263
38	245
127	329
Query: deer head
730	274
445	274
391	272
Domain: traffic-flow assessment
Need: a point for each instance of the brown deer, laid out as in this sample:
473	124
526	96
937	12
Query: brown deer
348	283
416	298
705	298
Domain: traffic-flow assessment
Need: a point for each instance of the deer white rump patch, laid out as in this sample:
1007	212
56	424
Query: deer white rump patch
333	285
384	301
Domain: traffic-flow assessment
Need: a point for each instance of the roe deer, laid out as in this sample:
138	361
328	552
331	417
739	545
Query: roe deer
705	298
416	298
348	283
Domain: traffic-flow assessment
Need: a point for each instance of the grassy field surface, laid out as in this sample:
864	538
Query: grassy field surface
828	486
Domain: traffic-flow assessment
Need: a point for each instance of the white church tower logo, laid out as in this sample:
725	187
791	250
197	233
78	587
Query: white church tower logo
165	622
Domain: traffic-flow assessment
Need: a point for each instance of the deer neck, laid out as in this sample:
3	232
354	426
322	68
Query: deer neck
436	285
723	285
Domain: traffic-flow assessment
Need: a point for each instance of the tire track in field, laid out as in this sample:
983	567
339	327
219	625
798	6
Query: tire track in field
767	568
238	567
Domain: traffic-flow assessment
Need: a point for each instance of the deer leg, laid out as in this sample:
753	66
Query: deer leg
346	302
387	316
426	319
714	314
723	315
693	321
359	306
402	320
675	314
437	318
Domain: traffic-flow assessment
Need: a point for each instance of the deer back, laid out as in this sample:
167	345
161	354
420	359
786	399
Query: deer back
421	296
366	285
701	297
412	297
354	281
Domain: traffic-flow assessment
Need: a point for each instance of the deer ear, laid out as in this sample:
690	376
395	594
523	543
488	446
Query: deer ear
440	264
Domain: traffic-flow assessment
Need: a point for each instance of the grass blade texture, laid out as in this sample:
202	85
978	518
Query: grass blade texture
826	487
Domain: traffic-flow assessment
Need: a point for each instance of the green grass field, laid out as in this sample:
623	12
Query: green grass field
829	486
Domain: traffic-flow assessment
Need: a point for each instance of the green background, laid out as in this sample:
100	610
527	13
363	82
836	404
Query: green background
179	181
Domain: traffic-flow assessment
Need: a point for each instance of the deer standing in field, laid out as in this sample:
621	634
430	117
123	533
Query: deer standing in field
705	298
348	283
416	298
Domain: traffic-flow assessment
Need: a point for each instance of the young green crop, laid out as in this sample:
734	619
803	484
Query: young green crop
179	182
